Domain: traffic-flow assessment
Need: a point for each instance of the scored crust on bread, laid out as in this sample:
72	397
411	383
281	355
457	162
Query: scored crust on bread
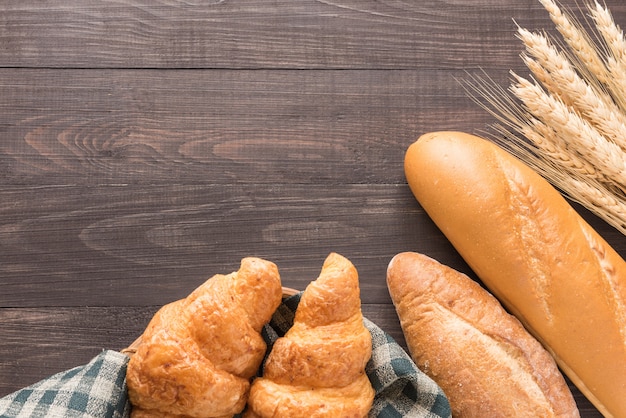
486	363
318	368
197	355
534	252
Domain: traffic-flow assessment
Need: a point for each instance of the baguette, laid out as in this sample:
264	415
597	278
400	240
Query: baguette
534	252
487	364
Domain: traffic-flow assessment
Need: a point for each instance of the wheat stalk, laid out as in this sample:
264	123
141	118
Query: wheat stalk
611	33
578	40
547	143
615	59
583	137
560	78
568	121
555	148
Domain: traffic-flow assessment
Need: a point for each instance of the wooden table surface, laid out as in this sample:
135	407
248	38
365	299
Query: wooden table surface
147	145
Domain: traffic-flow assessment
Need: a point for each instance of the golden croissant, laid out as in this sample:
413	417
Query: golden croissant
197	355
318	368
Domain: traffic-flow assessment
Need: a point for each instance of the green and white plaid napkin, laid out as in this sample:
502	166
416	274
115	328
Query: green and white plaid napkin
98	389
95	390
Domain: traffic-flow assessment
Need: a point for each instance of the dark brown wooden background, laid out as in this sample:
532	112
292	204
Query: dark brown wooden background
147	145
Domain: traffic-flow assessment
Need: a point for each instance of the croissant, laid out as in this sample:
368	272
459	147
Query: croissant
318	368
197	355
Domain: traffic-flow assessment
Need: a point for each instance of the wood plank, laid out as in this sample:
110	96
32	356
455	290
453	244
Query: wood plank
267	33
146	126
145	245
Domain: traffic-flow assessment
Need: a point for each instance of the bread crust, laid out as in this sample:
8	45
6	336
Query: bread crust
487	364
534	253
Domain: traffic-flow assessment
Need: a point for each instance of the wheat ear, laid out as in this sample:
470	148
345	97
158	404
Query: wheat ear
546	143
583	138
547	153
615	59
546	79
555	148
578	41
611	33
559	77
599	199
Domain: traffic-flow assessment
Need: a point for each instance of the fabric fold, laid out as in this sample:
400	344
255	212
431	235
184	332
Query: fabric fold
94	390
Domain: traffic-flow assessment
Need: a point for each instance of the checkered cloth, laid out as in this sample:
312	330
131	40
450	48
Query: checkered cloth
97	390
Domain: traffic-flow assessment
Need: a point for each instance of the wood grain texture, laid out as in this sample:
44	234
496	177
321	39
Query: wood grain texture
263	33
152	126
137	246
147	145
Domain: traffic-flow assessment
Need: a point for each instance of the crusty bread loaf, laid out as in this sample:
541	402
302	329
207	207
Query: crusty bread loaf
487	364
534	253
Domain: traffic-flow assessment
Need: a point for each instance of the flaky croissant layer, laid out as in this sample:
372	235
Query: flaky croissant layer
197	354
318	368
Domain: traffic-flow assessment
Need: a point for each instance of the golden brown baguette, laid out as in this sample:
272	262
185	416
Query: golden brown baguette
487	364
534	253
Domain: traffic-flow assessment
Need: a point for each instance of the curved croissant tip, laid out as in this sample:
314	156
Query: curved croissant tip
337	266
